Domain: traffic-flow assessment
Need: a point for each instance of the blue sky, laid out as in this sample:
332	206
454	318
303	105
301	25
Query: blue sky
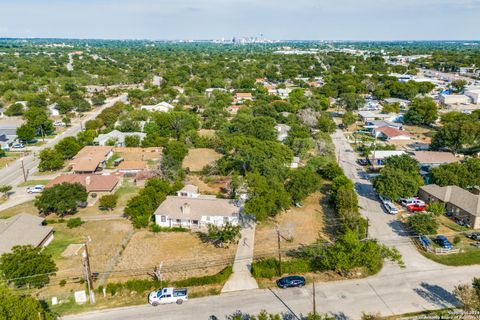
214	19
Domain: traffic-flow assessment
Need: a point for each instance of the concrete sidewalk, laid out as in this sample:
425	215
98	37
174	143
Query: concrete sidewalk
241	278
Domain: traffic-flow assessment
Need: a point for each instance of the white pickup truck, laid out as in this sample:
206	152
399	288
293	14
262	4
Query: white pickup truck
167	295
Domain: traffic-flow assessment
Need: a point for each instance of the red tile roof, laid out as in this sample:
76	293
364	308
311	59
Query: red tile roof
91	182
393	132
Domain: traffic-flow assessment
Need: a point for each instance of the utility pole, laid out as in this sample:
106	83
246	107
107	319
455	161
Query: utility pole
374	150
81	125
88	274
314	302
23	170
279	252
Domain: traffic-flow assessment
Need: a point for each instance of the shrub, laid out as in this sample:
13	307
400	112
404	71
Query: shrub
108	201
268	268
74	222
156	228
218	278
437	208
62	283
457	239
423	223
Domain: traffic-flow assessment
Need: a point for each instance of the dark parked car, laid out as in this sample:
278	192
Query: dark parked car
291	281
474	236
443	242
362	162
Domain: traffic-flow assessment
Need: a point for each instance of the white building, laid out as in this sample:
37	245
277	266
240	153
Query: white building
188	209
161	107
117	136
53	110
282	131
473	94
448	99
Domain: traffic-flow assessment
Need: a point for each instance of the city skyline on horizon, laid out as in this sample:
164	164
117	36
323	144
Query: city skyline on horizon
329	20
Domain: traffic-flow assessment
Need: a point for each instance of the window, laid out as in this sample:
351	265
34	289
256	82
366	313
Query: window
195	222
163	219
225	219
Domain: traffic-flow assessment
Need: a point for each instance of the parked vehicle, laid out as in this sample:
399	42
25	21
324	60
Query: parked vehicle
82	204
444	242
416	207
117	162
362	162
168	295
425	241
389	206
408	201
474	236
59	124
36	189
17	145
291	281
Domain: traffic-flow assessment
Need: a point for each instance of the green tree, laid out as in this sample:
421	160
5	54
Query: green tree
50	160
436	208
422	111
301	146
403	162
27	266
395	183
391	108
21	307
68	147
326	123
108	201
458	85
349	118
38	118
132	141
423	223
98	99
301	182
5	189
223	236
25	132
351	101
15	110
61	199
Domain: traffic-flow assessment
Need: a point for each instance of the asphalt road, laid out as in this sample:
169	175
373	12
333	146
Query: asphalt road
13	174
421	285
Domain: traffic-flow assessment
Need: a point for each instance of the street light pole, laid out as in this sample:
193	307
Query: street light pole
23	170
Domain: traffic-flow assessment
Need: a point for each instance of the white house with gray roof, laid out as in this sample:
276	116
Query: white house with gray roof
116	136
22	230
189	209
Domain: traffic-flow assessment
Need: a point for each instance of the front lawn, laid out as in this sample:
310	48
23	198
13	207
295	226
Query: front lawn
469	255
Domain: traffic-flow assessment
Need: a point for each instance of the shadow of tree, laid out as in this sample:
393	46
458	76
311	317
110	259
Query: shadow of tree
436	295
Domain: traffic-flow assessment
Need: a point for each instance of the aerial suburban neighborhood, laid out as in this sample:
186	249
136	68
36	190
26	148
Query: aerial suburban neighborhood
242	177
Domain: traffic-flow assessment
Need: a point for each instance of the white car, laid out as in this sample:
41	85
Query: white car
167	295
410	201
59	124
390	207
36	189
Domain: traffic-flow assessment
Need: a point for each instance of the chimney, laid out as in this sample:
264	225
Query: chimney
87	180
185	208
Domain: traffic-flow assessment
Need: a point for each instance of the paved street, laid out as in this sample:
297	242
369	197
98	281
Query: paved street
422	285
13	174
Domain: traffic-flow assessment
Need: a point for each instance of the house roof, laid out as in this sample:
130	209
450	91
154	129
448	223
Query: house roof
243	95
457	196
382	154
89	158
382	123
91	182
120	136
198	207
371	114
20	230
435	157
393	132
189	188
132	165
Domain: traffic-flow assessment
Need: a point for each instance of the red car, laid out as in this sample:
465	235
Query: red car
416	207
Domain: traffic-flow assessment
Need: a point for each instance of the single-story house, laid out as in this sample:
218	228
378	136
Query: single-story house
8	131
295	163
459	202
209	91
389	133
161	107
117	136
91	158
22	230
91	182
241	97
473	94
284	93
433	158
52	109
375	124
448	99
131	167
233	110
378	157
282	131
376	115
191	210
402	102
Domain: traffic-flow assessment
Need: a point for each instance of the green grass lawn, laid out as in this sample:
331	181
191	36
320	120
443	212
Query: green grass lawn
469	256
32	183
26	207
60	242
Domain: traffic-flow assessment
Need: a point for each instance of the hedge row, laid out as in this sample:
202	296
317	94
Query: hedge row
268	268
149	285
